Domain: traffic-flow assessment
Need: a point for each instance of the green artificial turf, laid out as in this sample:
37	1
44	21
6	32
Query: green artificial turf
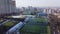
40	19
33	28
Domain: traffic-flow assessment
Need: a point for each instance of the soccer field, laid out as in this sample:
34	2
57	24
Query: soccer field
36	26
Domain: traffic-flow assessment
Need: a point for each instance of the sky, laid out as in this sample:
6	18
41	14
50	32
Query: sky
38	3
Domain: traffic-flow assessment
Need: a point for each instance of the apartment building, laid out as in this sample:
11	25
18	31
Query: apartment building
7	7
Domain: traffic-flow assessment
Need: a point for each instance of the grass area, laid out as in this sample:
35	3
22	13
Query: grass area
10	23
6	26
48	30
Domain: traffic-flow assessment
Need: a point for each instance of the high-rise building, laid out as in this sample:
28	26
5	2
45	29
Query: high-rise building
7	7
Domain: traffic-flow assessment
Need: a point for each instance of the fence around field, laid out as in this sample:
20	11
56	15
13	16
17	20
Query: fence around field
36	26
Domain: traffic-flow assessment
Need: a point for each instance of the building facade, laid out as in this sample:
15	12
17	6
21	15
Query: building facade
7	7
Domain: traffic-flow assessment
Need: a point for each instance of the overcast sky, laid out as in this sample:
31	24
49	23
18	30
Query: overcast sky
38	3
